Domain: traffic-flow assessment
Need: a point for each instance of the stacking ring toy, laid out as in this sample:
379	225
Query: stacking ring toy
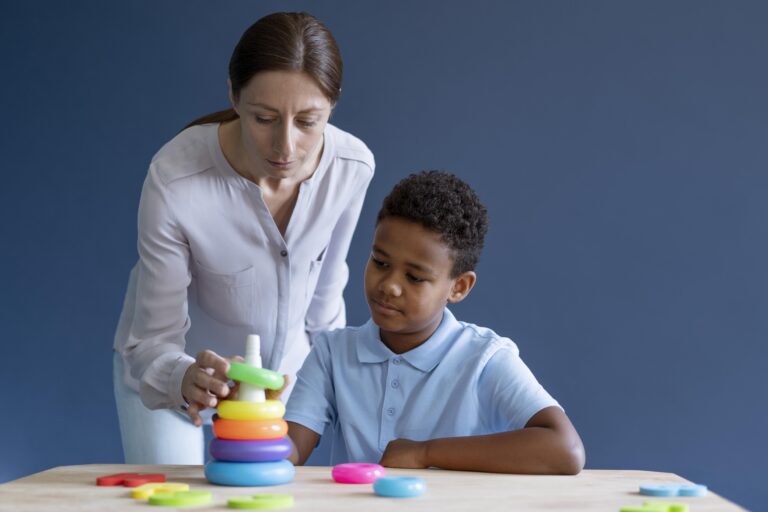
399	486
237	410
259	377
143	492
357	473
249	474
249	429
180	499
261	501
267	450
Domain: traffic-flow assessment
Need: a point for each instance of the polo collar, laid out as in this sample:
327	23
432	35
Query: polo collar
370	348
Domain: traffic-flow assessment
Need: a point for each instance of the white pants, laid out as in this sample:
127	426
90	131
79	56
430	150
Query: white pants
155	437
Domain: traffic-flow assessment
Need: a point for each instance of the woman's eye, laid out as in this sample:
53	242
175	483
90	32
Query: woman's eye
264	120
306	123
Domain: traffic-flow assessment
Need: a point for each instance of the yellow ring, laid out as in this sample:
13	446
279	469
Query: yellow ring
143	492
237	410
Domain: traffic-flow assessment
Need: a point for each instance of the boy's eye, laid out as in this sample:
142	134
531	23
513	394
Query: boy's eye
412	278
378	263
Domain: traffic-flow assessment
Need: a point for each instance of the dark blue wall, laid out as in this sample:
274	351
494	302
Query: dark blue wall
621	148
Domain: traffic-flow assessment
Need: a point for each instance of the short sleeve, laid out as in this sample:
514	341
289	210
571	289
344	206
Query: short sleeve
312	402
509	393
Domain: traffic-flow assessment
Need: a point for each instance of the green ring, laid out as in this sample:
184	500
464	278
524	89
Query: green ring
260	377
180	499
261	501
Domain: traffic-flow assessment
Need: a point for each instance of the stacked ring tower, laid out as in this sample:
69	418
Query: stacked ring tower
250	447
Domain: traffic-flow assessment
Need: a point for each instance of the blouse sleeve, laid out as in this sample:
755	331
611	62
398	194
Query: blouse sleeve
327	310
154	350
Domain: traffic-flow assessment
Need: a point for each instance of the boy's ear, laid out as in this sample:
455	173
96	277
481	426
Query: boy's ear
462	286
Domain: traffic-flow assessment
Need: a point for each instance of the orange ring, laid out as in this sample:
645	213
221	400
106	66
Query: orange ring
249	429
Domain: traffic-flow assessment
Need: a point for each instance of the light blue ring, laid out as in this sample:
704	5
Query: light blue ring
659	490
249	474
692	490
399	486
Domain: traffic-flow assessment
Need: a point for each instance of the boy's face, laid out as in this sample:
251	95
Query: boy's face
408	282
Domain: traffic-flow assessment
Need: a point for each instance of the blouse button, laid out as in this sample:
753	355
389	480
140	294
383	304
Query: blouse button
283	253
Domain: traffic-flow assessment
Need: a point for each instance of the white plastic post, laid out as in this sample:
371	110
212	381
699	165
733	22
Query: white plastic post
249	392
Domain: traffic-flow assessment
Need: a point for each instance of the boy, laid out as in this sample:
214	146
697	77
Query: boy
414	387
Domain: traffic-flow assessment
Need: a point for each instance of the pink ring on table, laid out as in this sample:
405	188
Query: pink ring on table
357	473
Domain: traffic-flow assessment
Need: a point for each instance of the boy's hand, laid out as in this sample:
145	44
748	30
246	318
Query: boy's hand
406	454
204	383
274	394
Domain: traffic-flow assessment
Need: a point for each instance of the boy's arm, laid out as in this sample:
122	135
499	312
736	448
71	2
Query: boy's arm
549	444
303	440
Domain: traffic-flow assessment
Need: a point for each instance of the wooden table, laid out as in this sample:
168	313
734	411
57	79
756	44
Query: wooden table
73	488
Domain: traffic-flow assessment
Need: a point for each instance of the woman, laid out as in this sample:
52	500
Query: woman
245	220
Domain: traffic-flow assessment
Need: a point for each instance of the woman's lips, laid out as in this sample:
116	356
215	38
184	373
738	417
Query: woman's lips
281	165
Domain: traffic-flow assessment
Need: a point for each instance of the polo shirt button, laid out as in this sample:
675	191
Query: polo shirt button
396	361
283	253
395	384
390	411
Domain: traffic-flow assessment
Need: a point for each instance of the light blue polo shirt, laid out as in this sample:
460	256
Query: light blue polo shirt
464	380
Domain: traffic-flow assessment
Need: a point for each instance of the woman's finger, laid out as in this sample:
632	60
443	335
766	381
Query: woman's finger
210	359
210	383
193	411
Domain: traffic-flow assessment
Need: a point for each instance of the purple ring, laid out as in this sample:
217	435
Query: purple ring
266	450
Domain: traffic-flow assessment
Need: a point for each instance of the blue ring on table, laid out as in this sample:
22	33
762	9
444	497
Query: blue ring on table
262	450
249	474
399	486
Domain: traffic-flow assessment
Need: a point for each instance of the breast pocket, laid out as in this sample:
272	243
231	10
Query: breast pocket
314	274
226	297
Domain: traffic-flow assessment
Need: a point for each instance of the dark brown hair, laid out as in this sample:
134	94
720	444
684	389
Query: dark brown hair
283	41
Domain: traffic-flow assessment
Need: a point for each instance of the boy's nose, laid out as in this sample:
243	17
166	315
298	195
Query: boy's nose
391	287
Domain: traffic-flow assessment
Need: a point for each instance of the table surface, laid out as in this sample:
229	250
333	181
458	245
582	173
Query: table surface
74	488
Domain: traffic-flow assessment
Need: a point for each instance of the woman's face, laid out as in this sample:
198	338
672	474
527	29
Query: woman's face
282	118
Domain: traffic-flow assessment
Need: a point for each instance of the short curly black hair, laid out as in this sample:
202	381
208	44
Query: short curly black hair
442	203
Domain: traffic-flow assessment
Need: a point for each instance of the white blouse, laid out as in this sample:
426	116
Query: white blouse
213	266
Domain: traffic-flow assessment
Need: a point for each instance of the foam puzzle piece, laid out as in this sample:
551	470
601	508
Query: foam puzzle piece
129	479
180	498
261	502
399	486
143	492
667	490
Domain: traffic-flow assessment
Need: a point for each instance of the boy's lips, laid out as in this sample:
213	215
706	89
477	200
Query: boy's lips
384	307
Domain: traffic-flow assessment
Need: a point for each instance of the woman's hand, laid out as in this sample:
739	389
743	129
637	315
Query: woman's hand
406	454
204	383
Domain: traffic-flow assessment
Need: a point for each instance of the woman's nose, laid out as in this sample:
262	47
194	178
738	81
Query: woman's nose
285	141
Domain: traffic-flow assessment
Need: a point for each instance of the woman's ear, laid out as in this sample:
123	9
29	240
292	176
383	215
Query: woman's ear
231	95
462	286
